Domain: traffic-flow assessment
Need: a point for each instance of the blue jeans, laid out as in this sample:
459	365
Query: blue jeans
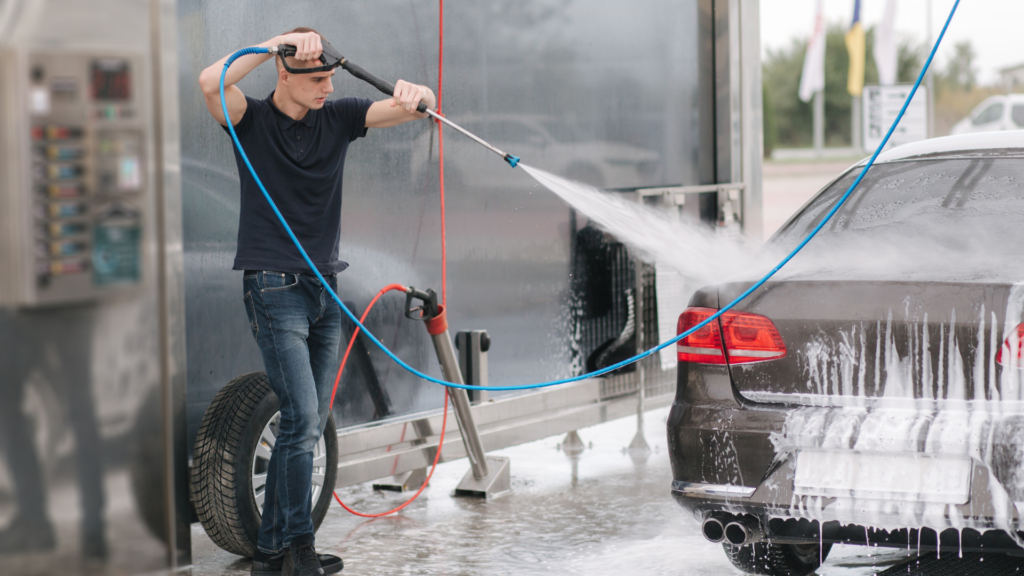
297	326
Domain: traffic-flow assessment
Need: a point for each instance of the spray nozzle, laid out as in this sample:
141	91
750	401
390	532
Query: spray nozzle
513	161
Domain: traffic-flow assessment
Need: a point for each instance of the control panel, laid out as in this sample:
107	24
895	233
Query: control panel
77	189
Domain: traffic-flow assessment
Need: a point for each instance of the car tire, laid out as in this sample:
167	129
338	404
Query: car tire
234	441
777	559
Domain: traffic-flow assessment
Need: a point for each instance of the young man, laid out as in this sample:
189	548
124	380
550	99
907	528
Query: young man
296	140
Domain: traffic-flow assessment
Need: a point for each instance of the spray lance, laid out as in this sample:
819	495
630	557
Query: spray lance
330	59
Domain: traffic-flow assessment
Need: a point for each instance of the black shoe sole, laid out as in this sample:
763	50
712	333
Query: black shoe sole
328	567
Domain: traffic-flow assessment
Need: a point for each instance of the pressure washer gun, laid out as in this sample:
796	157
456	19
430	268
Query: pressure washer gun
330	59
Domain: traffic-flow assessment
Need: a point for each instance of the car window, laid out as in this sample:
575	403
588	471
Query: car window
951	203
1018	115
989	115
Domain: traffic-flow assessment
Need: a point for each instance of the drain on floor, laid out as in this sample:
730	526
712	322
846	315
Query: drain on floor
972	564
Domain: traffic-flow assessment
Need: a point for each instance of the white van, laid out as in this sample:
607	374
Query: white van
1004	112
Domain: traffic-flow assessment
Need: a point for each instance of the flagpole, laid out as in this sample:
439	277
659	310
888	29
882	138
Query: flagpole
930	77
819	123
857	131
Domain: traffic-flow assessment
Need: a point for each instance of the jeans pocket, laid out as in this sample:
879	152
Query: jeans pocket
250	311
273	281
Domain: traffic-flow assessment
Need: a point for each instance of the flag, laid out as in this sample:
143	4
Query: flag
813	78
855	46
885	46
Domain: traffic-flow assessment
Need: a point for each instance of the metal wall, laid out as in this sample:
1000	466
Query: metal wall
92	393
603	91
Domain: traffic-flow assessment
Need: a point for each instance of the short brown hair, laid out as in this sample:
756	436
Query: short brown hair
303	30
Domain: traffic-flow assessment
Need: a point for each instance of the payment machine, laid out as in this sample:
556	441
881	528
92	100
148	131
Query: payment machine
73	175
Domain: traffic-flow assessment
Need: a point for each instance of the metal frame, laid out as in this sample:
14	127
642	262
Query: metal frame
170	273
739	143
676	195
399	445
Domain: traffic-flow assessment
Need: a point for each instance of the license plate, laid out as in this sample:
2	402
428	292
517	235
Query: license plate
874	475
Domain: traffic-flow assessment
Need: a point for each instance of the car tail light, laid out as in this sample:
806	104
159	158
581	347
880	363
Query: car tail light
1010	353
751	338
703	346
747	337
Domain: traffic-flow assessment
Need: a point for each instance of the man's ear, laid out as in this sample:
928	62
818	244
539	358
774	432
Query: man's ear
282	75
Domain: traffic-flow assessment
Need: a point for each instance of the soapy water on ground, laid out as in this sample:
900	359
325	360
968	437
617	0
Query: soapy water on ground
599	513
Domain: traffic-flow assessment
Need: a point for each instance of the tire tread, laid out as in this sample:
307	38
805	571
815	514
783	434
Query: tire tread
771	559
215	461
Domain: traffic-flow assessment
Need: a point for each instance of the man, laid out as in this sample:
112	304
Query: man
297	141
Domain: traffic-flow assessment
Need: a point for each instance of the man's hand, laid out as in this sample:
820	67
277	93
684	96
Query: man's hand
307	44
409	96
401	107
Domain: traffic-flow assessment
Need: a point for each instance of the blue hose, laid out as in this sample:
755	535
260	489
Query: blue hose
613	367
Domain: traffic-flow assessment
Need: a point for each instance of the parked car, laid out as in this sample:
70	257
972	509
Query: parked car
1004	112
871	393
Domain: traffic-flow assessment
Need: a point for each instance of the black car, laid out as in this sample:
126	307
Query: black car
872	392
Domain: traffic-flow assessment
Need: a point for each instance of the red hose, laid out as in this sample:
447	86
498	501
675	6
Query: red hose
444	419
390	287
440	154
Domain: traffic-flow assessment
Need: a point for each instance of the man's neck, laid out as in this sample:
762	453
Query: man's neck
289	107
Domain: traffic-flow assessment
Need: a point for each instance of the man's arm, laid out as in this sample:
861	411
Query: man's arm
401	107
307	46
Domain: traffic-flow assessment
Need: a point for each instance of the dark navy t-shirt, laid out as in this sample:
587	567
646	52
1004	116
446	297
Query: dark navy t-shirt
301	164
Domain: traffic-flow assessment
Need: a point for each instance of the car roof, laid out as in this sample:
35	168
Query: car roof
965	144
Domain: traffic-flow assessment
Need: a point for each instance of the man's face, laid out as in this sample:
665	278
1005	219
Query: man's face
308	90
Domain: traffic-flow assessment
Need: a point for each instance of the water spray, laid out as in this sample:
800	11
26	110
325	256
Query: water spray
330	59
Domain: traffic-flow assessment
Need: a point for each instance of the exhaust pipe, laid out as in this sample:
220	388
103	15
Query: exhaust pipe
713	528
743	531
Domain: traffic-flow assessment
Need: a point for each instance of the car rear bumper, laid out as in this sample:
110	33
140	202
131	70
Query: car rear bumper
735	458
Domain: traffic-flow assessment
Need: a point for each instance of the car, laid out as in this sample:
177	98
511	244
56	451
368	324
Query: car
1003	112
872	392
581	157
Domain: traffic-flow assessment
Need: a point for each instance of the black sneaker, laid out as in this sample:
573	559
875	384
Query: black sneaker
302	560
266	565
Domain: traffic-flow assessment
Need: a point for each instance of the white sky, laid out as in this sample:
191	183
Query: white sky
995	27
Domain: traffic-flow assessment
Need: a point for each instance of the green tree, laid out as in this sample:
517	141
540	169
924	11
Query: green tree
793	118
956	88
960	73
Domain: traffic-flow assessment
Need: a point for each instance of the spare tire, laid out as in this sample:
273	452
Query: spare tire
230	460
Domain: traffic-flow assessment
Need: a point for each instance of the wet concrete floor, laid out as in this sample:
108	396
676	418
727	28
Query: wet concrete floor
601	513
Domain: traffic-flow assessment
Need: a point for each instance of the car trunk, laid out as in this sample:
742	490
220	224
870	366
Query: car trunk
855	342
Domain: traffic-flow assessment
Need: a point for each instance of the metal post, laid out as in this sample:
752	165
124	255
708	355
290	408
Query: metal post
819	123
929	79
857	131
460	402
639	444
473	346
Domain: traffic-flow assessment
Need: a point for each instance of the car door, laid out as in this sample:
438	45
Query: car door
989	119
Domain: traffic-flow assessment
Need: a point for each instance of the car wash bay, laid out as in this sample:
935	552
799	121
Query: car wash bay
603	511
135	321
